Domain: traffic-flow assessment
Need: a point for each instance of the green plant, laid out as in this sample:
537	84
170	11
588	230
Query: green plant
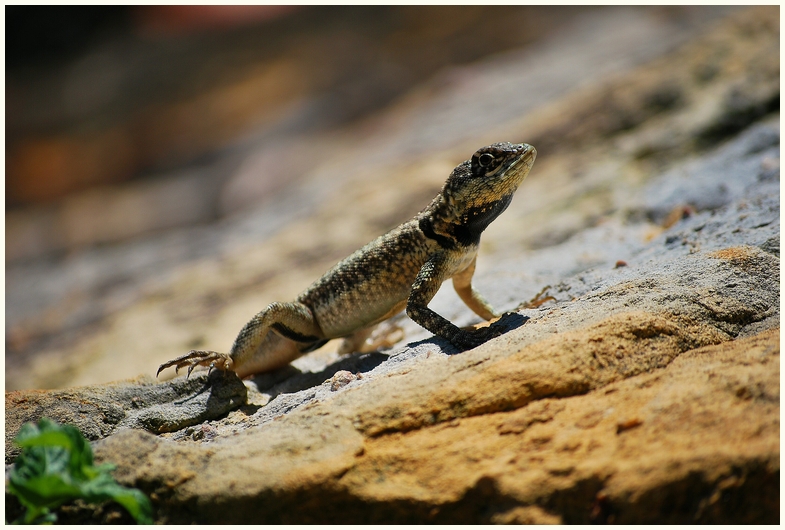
56	466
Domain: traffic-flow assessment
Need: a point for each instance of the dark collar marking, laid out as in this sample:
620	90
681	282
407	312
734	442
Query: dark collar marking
476	220
427	228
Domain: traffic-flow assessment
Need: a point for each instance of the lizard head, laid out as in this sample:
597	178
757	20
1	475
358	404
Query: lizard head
480	189
493	172
502	159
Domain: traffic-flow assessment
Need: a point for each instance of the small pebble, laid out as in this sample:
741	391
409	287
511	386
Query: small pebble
341	379
205	431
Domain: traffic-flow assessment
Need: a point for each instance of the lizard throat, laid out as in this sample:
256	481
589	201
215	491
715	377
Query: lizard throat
477	219
466	231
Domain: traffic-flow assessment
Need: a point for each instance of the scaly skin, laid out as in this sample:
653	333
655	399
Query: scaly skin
401	269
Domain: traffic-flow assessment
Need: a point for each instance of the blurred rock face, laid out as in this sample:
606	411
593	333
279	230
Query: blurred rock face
160	86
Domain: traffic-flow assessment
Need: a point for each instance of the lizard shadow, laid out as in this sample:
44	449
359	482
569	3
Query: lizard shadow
506	323
289	379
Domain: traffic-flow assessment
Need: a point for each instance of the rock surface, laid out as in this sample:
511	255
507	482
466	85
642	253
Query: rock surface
141	403
641	387
694	441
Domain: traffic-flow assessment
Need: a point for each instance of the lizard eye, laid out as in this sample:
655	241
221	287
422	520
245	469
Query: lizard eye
485	159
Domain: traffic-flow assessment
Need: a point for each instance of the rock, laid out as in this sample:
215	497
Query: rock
696	440
627	400
341	379
140	403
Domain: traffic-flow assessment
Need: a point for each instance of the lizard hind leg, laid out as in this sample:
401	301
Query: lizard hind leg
372	338
356	341
194	358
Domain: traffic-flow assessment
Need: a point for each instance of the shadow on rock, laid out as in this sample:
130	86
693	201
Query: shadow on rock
289	379
506	323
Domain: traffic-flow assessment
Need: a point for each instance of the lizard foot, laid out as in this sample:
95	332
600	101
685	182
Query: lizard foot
537	301
195	358
468	340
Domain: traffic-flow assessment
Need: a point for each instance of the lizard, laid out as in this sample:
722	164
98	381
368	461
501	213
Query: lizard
402	269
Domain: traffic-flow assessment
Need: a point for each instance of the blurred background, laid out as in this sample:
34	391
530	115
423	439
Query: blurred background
105	95
170	170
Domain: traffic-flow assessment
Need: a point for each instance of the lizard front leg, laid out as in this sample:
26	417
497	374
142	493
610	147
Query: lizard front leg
462	282
272	338
425	286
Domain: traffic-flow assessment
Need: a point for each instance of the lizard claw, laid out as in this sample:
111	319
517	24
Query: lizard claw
194	358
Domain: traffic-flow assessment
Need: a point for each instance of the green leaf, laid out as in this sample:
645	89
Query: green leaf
56	466
134	501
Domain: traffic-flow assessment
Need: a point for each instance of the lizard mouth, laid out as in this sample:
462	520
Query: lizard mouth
527	157
525	160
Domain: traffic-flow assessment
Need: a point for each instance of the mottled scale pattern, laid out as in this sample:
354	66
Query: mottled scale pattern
361	289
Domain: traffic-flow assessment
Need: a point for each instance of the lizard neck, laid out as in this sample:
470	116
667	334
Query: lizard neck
452	227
